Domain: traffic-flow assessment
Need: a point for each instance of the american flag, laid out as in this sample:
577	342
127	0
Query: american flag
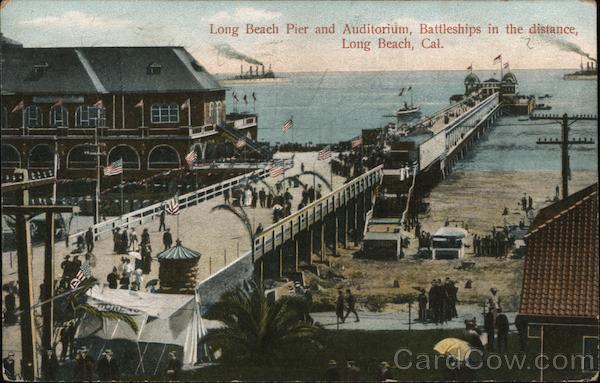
506	65
172	207
245	99
114	168
191	158
99	104
241	142
140	104
276	171
498	59
253	96
58	103
401	92
186	104
324	153
289	124
470	67
235	97
18	107
83	273
356	142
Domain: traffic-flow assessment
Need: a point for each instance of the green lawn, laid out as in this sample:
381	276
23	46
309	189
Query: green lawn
368	348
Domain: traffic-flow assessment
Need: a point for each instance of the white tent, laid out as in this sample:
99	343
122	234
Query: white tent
164	321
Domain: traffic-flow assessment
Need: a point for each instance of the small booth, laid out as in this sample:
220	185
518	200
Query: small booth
448	243
178	271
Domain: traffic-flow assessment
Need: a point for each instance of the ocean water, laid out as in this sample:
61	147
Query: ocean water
335	106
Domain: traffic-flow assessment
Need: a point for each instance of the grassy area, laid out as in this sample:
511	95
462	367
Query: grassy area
308	362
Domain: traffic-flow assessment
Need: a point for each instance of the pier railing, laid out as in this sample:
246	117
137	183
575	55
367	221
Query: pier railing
146	214
285	229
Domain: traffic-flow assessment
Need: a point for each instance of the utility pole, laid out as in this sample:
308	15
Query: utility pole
98	152
564	142
22	211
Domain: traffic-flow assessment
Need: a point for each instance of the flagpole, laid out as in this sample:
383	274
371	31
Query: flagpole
97	215
501	68
189	107
143	114
122	171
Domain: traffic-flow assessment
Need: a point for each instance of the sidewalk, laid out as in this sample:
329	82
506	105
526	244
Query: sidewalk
398	320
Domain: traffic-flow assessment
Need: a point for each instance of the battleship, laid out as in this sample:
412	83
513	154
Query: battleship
589	73
253	75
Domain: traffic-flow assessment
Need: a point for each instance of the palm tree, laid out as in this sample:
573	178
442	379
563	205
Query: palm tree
243	217
296	177
256	328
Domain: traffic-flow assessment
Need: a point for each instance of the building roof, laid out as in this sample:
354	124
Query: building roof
449	231
561	274
509	77
98	70
178	252
472	78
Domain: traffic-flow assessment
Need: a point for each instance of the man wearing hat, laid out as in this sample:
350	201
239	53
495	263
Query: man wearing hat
49	365
108	368
384	372
332	374
352	371
84	365
8	365
173	367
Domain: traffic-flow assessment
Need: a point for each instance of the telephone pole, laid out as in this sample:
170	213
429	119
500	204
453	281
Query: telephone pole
564	142
97	152
22	211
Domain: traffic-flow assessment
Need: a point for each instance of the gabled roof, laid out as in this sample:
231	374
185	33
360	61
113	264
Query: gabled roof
97	70
561	274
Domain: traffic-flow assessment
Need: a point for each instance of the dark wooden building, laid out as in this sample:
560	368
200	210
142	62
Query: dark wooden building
149	106
559	298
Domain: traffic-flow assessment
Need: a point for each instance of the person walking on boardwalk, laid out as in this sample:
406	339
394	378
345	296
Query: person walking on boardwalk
133	240
488	325
89	240
161	225
351	301
502	326
173	367
332	374
84	366
422	299
339	307
145	237
262	196
167	239
226	196
108	367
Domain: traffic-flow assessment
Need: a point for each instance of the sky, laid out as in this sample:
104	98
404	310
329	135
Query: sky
51	23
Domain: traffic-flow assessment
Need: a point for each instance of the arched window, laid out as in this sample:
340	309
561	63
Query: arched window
59	116
41	156
90	116
131	159
32	116
10	157
218	113
223	111
163	157
78	159
211	113
164	113
3	117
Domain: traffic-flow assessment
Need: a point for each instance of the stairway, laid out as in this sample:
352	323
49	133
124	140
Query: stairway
235	135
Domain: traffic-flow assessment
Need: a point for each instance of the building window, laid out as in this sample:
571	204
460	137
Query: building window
11	158
33	117
164	113
4	117
79	158
218	113
41	156
130	158
211	113
90	116
59	116
163	157
153	68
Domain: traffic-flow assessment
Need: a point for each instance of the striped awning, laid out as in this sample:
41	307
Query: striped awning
178	252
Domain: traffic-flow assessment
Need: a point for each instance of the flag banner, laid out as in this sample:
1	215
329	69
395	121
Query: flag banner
58	103
172	207
289	124
324	153
356	142
186	104
241	142
401	92
470	67
114	168
99	104
235	97
505	65
83	273
18	107
140	104
253	96
245	99
276	171
497	59
409	88
191	158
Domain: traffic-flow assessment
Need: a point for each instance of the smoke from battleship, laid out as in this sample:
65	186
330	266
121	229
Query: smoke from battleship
229	52
568	46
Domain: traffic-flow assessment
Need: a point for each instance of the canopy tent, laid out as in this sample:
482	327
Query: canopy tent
165	322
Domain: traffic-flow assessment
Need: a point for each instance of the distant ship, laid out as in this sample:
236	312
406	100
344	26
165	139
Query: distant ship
406	109
590	73
253	75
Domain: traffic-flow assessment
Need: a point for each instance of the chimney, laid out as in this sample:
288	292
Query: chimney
250	70
241	69
263	69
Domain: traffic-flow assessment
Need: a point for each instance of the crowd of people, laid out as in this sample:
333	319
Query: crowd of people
126	275
495	244
438	305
